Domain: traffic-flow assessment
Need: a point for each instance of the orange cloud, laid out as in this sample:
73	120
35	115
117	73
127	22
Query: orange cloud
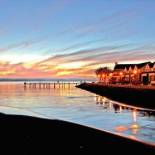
79	64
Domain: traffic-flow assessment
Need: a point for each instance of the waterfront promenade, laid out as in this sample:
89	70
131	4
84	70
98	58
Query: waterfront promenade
135	95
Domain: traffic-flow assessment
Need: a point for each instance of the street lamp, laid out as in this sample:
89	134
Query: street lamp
110	74
135	72
120	76
110	77
103	78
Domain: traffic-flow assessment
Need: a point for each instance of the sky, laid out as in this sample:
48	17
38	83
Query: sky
72	38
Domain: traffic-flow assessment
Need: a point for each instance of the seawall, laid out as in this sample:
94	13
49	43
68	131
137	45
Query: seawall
141	96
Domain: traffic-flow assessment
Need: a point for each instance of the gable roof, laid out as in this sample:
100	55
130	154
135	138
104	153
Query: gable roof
143	64
151	64
123	66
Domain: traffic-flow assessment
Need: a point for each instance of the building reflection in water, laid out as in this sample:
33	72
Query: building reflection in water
134	114
134	127
106	103
100	100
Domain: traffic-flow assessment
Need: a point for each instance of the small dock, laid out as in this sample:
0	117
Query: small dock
50	85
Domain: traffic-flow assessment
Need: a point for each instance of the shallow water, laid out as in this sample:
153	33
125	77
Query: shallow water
79	106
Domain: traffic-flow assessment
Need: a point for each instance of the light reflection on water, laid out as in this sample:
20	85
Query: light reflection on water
79	106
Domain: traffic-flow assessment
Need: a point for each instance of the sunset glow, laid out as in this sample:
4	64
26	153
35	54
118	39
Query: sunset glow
58	39
71	65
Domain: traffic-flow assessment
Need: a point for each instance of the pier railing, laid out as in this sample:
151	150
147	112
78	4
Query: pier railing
48	85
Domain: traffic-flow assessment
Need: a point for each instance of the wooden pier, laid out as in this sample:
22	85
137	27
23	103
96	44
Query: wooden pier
49	85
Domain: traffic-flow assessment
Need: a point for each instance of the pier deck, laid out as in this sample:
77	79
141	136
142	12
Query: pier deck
48	85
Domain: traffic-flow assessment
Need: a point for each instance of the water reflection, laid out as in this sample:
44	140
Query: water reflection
78	106
118	108
134	126
103	101
107	104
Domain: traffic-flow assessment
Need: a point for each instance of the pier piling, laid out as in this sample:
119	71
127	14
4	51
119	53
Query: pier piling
49	85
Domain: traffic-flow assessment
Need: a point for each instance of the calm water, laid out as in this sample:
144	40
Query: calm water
79	106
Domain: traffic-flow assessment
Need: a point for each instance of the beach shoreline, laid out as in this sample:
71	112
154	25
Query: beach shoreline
43	135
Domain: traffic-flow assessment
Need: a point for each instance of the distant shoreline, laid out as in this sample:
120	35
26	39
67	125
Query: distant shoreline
40	79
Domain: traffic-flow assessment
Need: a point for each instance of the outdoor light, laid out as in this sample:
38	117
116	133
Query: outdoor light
110	74
121	73
135	72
